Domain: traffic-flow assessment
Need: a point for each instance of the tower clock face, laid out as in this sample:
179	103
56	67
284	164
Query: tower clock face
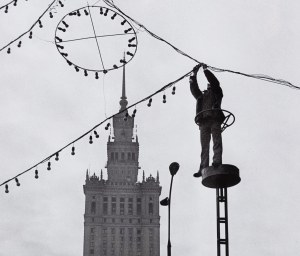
95	38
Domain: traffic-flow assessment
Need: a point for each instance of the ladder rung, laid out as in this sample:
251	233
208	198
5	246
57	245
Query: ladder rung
222	241
222	220
221	198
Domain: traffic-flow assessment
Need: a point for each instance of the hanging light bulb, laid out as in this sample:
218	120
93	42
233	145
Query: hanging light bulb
73	151
164	98
36	174
6	9
49	166
8	50
105	14
15	2
30	35
123	61
174	90
62	29
104	71
20	44
57	156
69	62
65	23
51	15
60	46
64	54
115	66
114	16
131	45
130	54
96	134
132	39
6	188
126	116
127	30
86	12
61	4
17	182
58	39
107	126
134	113
85	72
40	24
91	139
123	22
96	75
77	69
101	10
149	103
78	13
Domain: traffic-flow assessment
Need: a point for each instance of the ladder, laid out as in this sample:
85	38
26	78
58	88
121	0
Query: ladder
222	221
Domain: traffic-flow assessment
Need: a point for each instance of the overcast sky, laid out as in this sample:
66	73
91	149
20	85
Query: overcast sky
45	104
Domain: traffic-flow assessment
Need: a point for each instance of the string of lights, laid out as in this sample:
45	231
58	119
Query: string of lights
11	3
38	22
94	131
260	76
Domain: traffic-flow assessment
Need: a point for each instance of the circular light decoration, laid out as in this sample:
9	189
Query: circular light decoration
95	39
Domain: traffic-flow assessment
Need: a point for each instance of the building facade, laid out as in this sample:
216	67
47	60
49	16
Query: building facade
121	214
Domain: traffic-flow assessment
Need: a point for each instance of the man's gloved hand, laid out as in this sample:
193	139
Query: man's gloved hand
196	69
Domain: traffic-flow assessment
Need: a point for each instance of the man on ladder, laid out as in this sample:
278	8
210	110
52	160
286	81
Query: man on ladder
209	117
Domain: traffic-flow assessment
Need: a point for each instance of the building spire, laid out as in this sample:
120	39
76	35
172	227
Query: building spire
123	101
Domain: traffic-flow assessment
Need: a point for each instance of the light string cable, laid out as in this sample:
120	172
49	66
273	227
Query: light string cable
38	21
256	76
149	97
5	6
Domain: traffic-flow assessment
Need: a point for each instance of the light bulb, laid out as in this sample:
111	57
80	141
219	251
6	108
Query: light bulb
164	98
17	182
173	90
36	174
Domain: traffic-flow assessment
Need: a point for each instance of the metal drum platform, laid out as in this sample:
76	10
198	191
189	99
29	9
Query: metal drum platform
224	176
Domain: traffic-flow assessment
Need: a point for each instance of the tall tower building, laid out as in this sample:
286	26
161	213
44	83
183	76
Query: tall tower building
122	214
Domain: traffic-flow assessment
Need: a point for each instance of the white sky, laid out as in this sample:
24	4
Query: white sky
45	104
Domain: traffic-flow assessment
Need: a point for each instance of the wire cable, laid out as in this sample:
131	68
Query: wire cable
261	77
96	126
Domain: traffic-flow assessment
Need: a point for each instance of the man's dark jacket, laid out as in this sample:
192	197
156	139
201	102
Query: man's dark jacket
207	100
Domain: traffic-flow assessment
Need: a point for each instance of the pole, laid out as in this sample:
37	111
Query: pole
169	218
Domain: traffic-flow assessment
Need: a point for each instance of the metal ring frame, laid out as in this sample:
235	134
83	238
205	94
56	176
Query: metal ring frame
103	11
227	114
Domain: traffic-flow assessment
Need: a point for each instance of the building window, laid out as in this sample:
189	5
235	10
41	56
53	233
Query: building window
92	230
114	205
129	156
93	207
116	156
91	251
105	205
113	231
139	206
150	208
121	231
122	204
133	156
123	156
130	206
112	156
